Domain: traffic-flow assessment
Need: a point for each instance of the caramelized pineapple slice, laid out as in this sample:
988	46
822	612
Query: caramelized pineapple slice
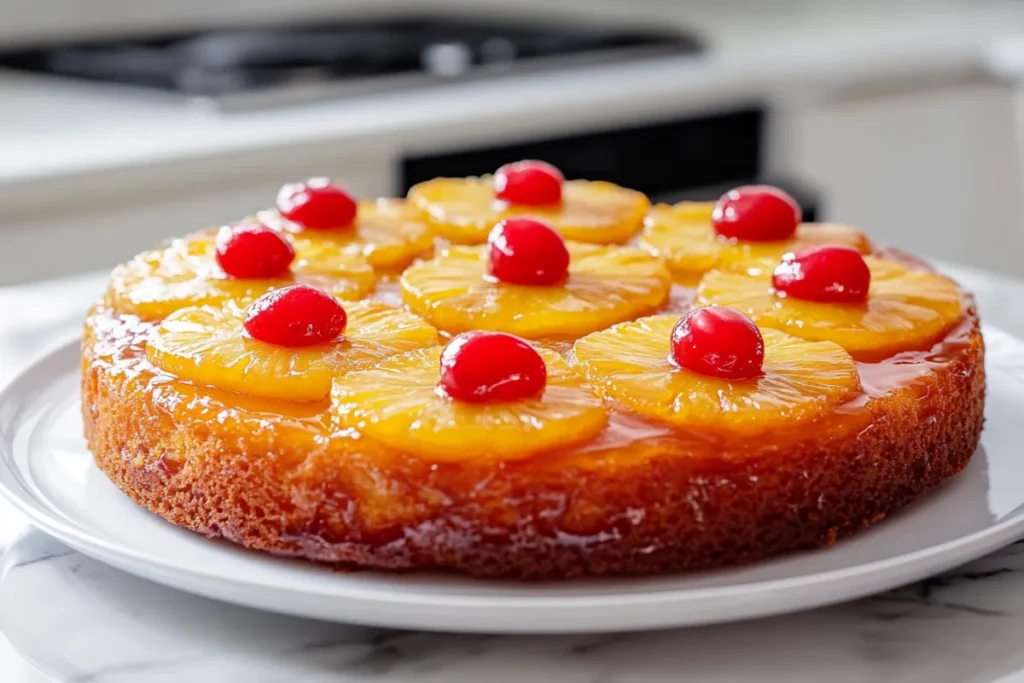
906	309
606	285
389	233
208	345
399	404
463	210
156	283
800	380
682	234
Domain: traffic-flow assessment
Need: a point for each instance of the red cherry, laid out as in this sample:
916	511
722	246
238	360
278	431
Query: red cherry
317	204
756	213
828	273
533	183
525	251
251	250
297	315
482	367
720	342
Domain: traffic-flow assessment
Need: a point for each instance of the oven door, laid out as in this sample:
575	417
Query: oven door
695	158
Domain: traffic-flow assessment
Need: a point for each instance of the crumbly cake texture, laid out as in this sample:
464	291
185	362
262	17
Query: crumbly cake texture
286	485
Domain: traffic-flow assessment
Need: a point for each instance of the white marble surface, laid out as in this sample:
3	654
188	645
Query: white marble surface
78	620
81	621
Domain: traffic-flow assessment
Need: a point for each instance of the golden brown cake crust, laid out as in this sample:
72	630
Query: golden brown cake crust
655	505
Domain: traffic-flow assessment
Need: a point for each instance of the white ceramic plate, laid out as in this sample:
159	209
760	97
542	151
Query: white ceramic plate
46	471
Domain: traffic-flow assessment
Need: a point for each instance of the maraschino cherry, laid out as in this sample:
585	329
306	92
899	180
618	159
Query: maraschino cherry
531	183
827	273
478	367
526	251
720	342
317	204
251	250
756	213
294	316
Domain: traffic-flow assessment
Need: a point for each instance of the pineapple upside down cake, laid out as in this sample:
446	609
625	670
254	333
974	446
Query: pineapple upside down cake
523	376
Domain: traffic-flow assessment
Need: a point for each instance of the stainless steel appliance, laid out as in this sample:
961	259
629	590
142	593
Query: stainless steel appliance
258	66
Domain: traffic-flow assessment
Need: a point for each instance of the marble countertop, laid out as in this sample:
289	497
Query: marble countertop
78	620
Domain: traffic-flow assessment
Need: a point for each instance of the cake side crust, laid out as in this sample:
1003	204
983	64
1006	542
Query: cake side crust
336	501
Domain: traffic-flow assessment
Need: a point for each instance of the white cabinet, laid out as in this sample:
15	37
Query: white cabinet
94	226
935	170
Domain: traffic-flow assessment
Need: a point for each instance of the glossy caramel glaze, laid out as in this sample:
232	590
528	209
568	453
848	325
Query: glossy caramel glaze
640	498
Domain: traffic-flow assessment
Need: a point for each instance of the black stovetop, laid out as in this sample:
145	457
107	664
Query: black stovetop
389	53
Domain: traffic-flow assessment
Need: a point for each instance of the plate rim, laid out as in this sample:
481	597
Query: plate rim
908	567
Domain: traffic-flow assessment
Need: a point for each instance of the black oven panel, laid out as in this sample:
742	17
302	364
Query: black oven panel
690	158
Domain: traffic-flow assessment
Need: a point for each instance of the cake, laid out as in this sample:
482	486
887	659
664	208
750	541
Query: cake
521	376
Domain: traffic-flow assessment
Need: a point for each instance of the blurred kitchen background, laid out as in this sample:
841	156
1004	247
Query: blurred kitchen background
126	121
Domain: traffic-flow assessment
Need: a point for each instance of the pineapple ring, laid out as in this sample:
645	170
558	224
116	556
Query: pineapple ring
801	380
463	210
158	282
906	309
389	233
682	234
208	345
606	285
399	404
